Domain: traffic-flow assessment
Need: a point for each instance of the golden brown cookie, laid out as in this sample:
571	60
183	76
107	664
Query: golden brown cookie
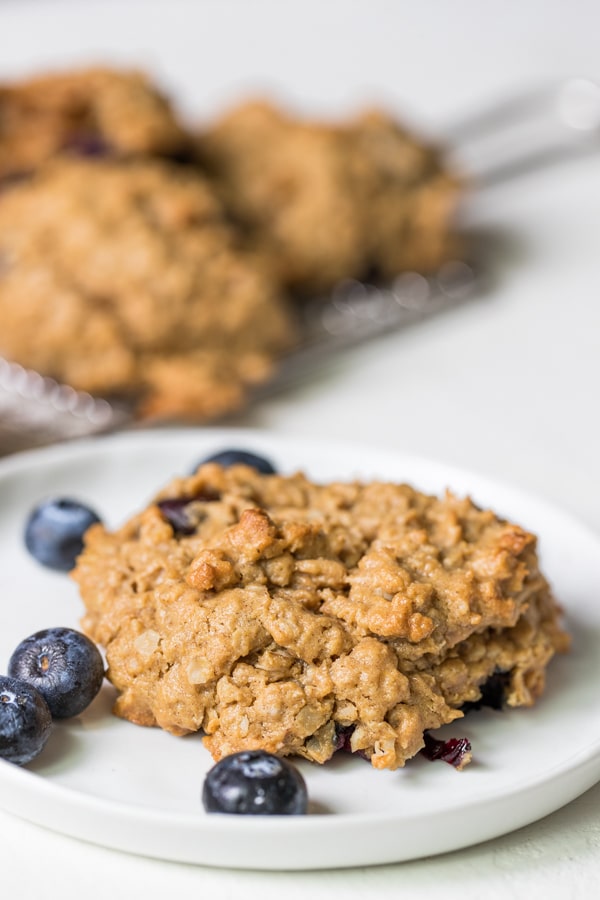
326	202
123	277
89	112
274	613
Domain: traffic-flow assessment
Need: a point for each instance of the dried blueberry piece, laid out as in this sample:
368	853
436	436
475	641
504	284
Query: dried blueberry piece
87	143
343	733
25	721
54	532
455	751
493	693
232	457
175	510
179	512
255	783
63	665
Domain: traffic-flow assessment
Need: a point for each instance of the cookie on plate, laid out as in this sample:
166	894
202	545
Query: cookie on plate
326	201
271	612
123	278
93	112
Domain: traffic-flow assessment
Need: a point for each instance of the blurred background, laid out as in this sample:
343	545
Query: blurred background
506	384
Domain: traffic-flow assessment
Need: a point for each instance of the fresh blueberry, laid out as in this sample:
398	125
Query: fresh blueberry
455	751
54	532
25	721
234	457
254	783
63	665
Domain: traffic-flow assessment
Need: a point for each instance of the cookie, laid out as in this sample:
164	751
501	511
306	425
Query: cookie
326	202
271	612
124	278
89	112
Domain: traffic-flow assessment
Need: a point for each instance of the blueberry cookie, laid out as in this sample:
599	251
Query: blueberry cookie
326	202
90	112
124	278
277	614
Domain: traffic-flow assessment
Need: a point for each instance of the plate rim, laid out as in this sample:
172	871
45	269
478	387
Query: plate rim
585	762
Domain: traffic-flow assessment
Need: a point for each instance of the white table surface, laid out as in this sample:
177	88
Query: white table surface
507	385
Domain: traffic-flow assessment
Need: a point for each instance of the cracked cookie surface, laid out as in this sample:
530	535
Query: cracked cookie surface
274	613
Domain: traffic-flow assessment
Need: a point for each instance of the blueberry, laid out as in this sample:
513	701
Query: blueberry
54	532
493	693
25	721
180	512
455	751
234	457
63	665
254	783
175	511
86	143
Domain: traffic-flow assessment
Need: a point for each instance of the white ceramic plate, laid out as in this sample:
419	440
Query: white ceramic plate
135	789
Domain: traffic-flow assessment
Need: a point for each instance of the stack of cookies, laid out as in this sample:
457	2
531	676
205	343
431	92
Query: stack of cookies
141	260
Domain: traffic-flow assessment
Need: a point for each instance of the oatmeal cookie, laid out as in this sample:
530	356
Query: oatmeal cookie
270	612
326	202
91	112
124	278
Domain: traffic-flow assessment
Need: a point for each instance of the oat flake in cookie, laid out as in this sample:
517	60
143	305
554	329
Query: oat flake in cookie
124	278
274	613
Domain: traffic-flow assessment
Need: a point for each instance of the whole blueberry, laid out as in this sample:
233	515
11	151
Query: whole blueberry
25	721
254	783
54	532
63	665
233	456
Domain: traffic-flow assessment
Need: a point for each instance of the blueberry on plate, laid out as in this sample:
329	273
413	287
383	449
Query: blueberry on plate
25	721
233	456
255	783
63	665
54	532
